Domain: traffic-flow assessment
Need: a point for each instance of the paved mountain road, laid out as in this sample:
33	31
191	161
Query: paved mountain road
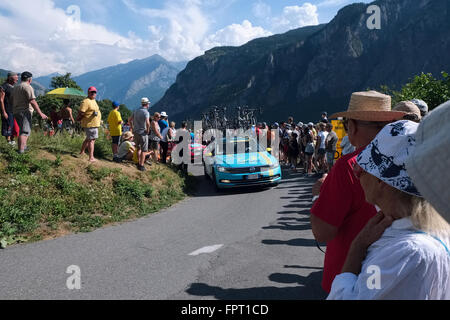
226	245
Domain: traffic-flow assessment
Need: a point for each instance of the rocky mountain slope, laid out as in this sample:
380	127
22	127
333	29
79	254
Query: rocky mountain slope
310	70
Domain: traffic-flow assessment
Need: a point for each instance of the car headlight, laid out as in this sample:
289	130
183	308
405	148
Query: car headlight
221	169
274	165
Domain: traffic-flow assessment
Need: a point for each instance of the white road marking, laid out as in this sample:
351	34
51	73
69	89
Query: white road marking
209	249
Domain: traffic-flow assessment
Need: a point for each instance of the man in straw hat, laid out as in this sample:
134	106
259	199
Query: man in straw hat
341	211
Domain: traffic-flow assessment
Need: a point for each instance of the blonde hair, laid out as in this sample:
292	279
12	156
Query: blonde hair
423	215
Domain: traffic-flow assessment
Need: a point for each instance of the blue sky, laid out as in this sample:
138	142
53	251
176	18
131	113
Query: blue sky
80	36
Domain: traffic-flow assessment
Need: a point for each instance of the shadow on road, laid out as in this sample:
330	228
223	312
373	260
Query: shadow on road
298	202
306	289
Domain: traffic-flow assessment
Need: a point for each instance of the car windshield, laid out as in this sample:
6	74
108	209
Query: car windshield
237	147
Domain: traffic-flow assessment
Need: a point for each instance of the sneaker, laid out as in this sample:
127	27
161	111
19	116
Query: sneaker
12	143
141	168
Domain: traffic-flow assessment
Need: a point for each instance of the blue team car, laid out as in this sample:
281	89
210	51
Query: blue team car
240	162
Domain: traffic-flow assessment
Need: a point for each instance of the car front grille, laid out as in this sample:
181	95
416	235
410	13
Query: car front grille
248	170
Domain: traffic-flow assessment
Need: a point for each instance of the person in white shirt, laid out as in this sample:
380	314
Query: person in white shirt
403	252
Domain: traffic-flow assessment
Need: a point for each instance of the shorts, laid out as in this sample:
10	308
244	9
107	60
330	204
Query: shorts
115	139
153	145
309	153
8	125
321	152
141	142
91	133
330	157
24	122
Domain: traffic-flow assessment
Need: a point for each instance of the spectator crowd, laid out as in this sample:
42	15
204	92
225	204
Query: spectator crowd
381	206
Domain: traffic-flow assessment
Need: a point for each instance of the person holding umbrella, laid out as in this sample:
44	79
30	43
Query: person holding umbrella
90	118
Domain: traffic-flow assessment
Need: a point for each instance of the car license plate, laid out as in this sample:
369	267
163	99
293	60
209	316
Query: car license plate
253	177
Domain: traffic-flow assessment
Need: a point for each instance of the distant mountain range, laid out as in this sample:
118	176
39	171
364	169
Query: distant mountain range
309	70
126	83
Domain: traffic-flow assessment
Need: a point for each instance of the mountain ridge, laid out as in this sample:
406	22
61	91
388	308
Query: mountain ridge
307	75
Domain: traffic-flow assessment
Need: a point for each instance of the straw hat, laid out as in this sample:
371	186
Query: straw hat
370	106
428	164
410	108
127	135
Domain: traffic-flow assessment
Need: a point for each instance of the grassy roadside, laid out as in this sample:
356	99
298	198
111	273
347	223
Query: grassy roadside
50	192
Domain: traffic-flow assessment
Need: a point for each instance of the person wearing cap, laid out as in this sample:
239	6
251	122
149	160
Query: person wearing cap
163	121
9	125
340	210
412	111
422	105
115	127
407	241
430	173
126	148
90	117
140	124
324	117
164	144
24	104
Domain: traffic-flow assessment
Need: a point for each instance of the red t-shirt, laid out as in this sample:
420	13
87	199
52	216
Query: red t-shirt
342	204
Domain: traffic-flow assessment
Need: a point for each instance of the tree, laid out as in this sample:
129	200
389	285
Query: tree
64	82
424	86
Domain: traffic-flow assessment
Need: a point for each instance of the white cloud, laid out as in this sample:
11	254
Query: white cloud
52	41
41	38
296	17
261	10
235	35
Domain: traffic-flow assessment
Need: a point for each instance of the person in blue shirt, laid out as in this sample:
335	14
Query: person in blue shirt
163	122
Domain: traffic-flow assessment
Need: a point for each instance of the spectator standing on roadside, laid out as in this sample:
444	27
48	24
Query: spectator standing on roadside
412	111
166	134
24	104
155	136
9	125
324	117
90	117
341	211
330	145
320	148
422	105
408	241
429	172
67	116
163	121
115	127
140	124
54	118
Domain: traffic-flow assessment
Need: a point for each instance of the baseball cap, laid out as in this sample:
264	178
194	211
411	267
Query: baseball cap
92	89
26	75
145	100
115	104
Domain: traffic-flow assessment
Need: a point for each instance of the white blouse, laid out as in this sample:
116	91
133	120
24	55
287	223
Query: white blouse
404	264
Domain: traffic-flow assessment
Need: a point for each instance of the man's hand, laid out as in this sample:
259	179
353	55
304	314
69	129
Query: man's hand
43	116
318	185
5	116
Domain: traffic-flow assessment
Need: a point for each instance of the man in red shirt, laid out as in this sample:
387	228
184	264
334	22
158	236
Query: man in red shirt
341	211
